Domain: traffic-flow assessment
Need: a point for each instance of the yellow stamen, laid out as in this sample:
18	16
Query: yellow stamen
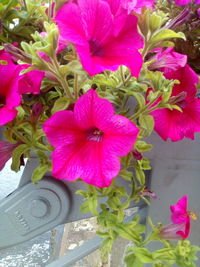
192	215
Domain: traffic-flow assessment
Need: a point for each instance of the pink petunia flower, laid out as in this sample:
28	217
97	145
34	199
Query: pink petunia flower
168	59
29	82
180	217
9	95
89	140
175	124
104	35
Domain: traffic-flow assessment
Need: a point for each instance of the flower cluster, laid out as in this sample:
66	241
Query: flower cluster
180	218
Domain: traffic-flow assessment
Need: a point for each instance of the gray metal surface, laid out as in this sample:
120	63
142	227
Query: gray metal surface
34	209
176	172
89	246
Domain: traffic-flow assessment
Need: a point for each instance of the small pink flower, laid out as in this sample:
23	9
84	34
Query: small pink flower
175	124
168	59
31	81
104	35
172	231
180	217
89	140
148	193
37	110
9	95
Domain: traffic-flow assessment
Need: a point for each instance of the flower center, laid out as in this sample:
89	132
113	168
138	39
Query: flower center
94	134
179	100
95	48
2	100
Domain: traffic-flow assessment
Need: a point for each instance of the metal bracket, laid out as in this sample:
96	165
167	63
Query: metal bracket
34	209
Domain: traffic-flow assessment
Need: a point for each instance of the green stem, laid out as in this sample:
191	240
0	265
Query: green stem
49	10
122	74
42	147
56	71
19	136
125	81
145	108
76	88
25	5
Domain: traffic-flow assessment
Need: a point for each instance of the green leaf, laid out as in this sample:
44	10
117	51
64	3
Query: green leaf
85	207
16	156
143	255
139	97
139	174
142	146
76	67
26	70
145	164
40	171
102	80
93	203
127	175
132	261
61	103
147	123
155	22
166	34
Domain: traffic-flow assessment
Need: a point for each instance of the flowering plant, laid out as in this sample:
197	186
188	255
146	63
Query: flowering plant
86	81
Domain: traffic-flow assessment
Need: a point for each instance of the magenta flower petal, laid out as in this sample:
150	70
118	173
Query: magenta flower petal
105	36
5	56
6	150
89	140
182	2
114	130
87	161
70	23
175	124
168	59
174	231
184	233
180	217
31	81
65	126
9	95
92	110
188	80
179	211
7	115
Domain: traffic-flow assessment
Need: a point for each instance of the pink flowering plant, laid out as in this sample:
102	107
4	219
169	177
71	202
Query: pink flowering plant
83	83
